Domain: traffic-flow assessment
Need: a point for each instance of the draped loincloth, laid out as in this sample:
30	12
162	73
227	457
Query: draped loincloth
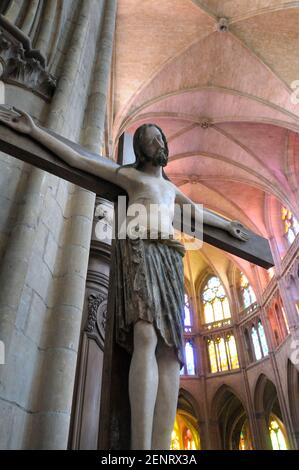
149	280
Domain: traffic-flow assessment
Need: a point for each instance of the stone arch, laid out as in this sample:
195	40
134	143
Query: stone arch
229	415
266	403
188	415
293	395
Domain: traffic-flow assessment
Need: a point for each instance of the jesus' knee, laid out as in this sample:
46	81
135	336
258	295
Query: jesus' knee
145	336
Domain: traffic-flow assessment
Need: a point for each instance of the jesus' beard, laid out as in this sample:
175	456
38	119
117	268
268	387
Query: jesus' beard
159	159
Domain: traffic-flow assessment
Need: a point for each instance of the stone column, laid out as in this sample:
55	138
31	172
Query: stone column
30	17
47	25
86	403
96	110
14	10
54	387
43	271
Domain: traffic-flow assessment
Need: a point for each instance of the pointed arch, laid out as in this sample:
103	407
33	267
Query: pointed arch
267	408
293	396
230	414
186	433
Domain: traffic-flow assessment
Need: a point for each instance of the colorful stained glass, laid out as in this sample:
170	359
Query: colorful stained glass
212	356
233	354
256	344
277	438
226	309
189	443
175	437
189	354
209	313
247	293
291	225
187	316
261	332
242	441
216	306
184	435
222	354
245	438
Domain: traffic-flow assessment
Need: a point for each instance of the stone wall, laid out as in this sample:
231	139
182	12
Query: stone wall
46	223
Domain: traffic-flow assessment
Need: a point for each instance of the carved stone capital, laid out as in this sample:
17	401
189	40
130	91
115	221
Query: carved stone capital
22	65
96	320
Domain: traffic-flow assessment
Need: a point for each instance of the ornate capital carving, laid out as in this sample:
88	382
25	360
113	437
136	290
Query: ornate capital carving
97	313
22	65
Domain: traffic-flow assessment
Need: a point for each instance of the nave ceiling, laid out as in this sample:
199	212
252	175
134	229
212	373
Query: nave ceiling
223	98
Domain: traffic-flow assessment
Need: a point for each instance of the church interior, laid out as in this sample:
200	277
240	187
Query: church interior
221	78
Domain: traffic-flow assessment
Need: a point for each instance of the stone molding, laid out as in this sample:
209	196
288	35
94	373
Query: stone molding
21	65
97	313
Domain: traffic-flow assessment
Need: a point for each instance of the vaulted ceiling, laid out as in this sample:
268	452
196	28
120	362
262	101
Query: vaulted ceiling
218	77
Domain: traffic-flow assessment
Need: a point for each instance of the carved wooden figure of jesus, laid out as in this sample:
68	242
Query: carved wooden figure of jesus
149	274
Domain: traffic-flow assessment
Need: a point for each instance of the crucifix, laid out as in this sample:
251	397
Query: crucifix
146	292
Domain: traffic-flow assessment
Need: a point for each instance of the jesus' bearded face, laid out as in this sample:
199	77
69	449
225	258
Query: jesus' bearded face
154	147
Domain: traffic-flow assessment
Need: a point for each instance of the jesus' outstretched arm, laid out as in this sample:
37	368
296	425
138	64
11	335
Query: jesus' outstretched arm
233	227
23	123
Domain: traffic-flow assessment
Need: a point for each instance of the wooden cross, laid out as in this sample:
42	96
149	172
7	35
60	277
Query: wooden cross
114	433
256	249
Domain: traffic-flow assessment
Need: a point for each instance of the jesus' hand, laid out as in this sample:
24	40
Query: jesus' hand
17	120
237	230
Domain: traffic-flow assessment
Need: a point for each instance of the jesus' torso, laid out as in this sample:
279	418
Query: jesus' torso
151	203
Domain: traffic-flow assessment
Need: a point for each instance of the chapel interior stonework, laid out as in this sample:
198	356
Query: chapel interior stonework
221	78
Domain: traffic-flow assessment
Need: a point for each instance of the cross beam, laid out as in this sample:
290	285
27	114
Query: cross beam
256	249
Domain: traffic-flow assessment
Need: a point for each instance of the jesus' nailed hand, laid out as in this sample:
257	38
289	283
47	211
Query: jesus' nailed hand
152	196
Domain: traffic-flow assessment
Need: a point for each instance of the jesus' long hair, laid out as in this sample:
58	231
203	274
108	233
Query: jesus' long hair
137	146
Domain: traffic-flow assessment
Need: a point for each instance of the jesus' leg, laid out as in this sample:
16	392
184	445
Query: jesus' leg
167	396
143	385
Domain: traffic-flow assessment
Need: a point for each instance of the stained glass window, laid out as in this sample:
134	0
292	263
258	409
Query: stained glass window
212	355
189	443
189	354
232	352
184	435
187	316
175	437
259	342
277	438
248	296
216	306
291	224
256	344
223	353
263	340
245	442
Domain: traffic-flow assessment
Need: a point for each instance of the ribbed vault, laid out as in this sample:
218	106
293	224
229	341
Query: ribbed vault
224	99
